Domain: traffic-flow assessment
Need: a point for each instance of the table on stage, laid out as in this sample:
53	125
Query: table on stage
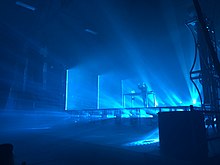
133	95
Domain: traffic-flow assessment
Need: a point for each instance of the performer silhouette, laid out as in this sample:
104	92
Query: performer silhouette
143	88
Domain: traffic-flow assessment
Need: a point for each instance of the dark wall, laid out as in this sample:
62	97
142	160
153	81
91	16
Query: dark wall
29	78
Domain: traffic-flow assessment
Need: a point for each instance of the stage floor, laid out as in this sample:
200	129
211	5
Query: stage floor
55	138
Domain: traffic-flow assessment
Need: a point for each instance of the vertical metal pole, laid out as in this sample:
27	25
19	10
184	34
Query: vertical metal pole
98	95
154	99
122	94
67	83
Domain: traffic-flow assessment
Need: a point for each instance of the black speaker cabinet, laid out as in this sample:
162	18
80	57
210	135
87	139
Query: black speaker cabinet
183	135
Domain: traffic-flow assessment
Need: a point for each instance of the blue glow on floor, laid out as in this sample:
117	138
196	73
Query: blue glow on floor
151	138
143	142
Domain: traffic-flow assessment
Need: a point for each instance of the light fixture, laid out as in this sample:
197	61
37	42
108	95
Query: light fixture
22	4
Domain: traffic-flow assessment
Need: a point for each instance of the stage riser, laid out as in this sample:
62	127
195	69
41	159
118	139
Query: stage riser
140	112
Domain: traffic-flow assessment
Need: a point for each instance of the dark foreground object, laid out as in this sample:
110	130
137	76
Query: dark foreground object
6	154
183	135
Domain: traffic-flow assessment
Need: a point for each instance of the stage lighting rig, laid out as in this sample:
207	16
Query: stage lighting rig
206	50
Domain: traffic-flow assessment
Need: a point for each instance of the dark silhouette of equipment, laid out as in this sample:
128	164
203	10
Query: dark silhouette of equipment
183	135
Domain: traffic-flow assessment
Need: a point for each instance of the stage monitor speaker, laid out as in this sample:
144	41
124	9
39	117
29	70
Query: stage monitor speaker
182	135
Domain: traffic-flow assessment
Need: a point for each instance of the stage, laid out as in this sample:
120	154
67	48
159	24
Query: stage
133	112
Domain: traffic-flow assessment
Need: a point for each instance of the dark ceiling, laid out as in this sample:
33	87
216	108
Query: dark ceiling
111	32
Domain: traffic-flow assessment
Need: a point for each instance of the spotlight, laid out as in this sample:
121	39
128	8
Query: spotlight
132	91
194	101
156	103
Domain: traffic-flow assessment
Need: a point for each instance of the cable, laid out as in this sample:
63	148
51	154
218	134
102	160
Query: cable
194	62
